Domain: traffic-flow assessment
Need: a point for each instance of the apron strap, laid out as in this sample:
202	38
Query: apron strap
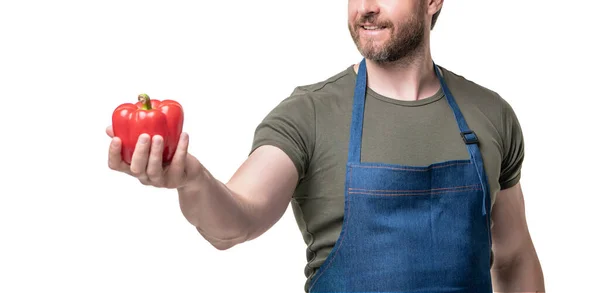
468	136
358	110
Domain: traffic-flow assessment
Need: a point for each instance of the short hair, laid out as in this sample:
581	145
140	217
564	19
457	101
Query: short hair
435	17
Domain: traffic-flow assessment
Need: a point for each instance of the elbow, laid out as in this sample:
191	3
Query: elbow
508	259
505	258
227	244
222	244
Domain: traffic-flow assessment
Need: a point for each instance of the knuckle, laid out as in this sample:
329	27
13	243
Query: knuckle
136	172
112	166
156	181
145	182
115	166
155	174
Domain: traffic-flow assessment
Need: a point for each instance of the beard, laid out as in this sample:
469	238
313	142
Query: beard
405	38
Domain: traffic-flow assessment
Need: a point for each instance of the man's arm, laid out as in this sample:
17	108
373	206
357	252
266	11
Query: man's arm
253	200
257	195
516	265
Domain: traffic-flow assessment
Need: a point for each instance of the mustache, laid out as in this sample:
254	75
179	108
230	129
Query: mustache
371	19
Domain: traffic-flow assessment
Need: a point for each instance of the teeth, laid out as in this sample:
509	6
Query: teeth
371	27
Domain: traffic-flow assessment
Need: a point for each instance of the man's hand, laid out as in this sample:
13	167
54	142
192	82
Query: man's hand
253	200
146	164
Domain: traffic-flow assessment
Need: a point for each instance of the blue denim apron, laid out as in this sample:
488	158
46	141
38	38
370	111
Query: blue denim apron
411	228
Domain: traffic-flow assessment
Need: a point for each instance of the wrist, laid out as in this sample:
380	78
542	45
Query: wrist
193	182
195	175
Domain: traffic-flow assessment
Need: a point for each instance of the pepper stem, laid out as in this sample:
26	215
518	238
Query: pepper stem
146	103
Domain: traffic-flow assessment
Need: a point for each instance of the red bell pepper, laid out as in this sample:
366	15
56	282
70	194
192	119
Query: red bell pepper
153	117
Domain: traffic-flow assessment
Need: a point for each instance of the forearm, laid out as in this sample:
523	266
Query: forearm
216	211
523	274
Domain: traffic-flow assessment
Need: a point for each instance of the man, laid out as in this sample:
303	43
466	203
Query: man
400	182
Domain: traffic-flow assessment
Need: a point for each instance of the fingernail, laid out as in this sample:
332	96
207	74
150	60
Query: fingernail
157	140
114	143
143	139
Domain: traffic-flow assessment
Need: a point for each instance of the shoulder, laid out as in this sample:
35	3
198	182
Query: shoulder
328	88
487	107
474	96
309	100
291	124
472	92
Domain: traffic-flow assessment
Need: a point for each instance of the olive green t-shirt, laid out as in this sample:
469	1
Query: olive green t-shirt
312	127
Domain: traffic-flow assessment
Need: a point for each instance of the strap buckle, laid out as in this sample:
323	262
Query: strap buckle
469	137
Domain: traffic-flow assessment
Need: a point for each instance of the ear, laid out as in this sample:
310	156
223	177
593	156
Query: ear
433	10
433	6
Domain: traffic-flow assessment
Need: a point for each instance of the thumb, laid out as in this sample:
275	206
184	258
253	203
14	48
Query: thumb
177	168
109	131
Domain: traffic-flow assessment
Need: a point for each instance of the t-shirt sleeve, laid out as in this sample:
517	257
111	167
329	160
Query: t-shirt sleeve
513	149
290	126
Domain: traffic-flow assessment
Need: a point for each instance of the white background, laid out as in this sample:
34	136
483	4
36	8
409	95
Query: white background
69	224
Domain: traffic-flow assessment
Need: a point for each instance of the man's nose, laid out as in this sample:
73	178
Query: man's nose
367	7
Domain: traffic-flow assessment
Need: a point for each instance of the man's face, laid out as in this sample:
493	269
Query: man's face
387	30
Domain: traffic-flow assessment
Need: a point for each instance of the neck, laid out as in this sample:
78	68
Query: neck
409	79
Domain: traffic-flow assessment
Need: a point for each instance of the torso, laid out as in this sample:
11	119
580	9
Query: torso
416	133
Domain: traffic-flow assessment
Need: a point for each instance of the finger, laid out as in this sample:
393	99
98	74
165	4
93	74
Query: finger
144	180
139	160
177	167
155	168
115	161
109	131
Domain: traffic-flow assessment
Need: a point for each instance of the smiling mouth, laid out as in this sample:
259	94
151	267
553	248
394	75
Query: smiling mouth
372	27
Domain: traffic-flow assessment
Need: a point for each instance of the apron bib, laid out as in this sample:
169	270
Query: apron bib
411	229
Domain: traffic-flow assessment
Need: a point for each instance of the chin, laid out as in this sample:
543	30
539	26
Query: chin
372	48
